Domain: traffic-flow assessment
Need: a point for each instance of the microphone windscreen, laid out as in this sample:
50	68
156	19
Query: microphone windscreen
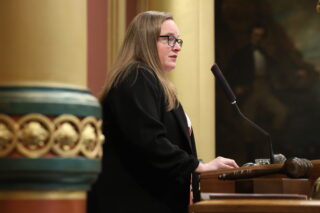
223	83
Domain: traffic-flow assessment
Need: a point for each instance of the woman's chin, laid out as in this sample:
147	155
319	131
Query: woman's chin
170	68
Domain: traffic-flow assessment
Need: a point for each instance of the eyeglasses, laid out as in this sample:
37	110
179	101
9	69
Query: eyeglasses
172	40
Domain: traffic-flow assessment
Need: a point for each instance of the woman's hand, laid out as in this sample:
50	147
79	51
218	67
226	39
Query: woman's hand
218	163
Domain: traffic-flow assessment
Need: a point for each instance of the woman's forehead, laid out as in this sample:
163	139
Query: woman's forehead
169	27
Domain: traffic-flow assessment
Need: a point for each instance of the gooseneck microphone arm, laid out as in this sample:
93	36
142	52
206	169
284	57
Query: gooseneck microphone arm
232	98
258	128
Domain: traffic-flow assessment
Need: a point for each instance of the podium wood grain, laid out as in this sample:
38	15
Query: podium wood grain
255	206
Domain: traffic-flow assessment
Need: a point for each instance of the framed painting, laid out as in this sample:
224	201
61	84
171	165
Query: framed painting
269	51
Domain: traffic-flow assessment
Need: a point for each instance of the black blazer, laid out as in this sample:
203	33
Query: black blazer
148	154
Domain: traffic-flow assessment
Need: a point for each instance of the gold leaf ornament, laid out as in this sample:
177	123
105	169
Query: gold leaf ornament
34	135
66	136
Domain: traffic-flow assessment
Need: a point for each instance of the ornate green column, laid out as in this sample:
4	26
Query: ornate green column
50	124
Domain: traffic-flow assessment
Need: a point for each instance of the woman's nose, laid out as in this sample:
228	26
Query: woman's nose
176	47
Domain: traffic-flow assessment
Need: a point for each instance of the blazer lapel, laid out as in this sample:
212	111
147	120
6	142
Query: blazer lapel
181	118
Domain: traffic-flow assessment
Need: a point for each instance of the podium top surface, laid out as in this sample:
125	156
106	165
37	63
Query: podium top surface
315	172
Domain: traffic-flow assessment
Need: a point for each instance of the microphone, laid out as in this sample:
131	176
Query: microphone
232	98
224	84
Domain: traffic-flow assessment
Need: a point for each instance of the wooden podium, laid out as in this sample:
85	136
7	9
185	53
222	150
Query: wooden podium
269	193
255	206
277	183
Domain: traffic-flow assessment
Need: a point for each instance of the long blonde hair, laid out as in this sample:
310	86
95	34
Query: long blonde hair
140	47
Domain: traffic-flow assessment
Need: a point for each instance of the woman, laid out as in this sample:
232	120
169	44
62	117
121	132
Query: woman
149	154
